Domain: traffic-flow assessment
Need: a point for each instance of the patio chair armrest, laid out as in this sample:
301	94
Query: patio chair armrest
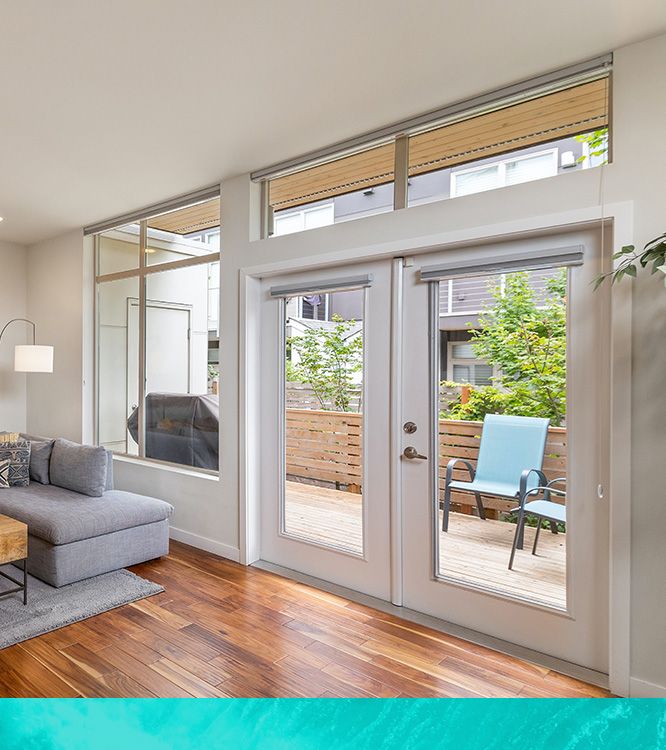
524	478
452	464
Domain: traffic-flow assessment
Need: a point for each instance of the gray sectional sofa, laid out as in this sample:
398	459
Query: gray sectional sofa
72	535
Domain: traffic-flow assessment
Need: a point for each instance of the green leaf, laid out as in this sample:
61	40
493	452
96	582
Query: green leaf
598	281
630	270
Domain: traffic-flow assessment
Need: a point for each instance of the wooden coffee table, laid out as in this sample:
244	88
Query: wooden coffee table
13	549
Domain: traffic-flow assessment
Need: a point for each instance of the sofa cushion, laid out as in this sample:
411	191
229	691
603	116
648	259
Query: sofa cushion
40	460
18	453
5	463
81	468
61	516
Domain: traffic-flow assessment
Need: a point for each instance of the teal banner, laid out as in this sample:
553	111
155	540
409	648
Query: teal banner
333	723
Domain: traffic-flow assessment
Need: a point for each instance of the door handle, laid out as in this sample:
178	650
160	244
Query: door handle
411	453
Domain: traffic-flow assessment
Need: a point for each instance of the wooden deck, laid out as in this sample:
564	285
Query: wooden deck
474	552
220	629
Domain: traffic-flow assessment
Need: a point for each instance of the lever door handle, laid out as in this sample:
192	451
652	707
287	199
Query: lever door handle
411	453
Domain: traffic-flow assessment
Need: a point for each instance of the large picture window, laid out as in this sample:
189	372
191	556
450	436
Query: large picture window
157	375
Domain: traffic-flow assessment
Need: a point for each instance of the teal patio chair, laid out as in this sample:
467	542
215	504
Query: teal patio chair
544	510
509	463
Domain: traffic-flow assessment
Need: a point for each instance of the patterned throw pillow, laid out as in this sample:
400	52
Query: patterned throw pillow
18	454
4	473
9	437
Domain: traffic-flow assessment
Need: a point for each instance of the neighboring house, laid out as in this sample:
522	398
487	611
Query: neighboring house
460	302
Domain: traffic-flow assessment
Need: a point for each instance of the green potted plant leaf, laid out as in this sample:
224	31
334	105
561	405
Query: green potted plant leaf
653	254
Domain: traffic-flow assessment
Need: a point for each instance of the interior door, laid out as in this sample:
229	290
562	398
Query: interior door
325	425
555	601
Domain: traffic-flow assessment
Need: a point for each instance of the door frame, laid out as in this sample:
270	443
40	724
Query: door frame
617	218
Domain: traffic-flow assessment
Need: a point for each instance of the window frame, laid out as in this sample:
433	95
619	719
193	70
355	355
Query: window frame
141	273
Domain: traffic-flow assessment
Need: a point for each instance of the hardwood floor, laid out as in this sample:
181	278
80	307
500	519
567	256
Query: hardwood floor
221	629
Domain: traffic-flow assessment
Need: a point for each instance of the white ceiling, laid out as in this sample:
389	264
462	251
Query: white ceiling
108	106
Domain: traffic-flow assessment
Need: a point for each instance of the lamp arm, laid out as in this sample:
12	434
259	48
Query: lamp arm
22	320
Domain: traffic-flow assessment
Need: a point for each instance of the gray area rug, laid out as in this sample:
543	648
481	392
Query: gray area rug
49	608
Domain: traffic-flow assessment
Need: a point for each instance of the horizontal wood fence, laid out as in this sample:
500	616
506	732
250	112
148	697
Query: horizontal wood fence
326	447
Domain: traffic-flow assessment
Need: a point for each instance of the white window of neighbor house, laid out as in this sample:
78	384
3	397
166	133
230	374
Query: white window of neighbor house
300	220
511	171
465	367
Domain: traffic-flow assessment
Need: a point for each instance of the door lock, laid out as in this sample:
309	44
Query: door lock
411	453
409	427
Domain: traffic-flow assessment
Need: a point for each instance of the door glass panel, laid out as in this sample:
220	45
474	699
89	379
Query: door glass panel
513	364
323	400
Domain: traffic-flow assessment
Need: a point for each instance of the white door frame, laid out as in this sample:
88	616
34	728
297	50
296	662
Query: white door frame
622	216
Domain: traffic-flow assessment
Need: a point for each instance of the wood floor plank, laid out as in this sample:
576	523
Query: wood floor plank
220	629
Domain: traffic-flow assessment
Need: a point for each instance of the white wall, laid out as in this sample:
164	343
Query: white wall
60	303
13	304
636	175
207	512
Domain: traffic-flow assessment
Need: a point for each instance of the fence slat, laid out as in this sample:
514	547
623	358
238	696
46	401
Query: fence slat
326	446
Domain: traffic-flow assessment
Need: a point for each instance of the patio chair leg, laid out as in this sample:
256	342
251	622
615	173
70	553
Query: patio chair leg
480	508
553	527
536	537
447	504
514	546
521	531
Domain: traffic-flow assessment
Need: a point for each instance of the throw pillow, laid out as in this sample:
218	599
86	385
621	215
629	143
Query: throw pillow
80	468
4	473
40	459
18	454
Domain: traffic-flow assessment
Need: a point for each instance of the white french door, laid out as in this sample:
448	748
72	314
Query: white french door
325	444
557	601
351	485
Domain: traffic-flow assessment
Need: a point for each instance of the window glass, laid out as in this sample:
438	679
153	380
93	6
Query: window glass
184	233
117	363
118	249
350	187
182	368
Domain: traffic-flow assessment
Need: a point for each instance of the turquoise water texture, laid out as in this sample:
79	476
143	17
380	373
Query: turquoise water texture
344	724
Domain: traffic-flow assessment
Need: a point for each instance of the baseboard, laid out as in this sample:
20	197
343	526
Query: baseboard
204	543
642	689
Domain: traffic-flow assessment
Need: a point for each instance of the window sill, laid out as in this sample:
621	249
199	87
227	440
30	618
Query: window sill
187	471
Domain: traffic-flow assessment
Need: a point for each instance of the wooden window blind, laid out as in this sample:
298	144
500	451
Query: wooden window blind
573	111
360	171
190	219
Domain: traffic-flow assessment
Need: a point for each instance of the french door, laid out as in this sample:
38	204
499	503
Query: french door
376	375
555	601
325	425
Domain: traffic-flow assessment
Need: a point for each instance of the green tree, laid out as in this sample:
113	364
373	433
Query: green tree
329	358
525	339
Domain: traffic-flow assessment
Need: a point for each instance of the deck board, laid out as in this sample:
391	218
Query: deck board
472	552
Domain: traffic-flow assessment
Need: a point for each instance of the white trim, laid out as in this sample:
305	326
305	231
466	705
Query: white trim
622	214
643	689
204	543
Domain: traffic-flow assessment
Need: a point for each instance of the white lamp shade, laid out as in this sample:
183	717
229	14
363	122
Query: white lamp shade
33	358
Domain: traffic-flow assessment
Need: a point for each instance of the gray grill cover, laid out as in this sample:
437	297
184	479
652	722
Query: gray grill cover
181	428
